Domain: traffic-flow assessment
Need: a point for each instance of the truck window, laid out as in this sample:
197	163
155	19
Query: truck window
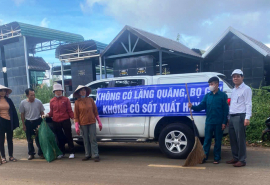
223	79
129	82
96	86
181	79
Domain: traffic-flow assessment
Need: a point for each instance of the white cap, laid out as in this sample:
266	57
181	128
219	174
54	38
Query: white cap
57	87
238	71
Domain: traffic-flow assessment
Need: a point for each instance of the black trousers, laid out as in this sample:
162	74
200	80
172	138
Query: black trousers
63	134
5	128
31	126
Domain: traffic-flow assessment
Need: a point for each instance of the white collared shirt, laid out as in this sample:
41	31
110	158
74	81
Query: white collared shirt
241	100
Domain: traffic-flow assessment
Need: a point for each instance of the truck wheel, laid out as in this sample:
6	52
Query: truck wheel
176	141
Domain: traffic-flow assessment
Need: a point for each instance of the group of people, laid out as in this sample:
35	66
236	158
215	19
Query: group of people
85	116
219	115
32	112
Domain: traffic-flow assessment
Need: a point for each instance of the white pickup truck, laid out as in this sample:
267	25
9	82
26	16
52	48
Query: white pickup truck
174	133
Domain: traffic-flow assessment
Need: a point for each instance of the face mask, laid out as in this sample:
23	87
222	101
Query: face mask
57	96
212	88
82	96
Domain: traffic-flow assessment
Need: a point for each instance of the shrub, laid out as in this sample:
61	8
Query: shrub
44	93
260	111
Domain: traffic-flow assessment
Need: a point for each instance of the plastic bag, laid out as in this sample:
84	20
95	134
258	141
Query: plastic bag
47	142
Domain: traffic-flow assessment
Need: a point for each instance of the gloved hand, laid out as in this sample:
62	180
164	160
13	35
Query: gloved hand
100	126
99	123
77	128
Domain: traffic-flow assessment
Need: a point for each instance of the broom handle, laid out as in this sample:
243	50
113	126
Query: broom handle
189	102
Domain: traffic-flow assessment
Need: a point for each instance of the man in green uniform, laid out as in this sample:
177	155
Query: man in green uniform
217	108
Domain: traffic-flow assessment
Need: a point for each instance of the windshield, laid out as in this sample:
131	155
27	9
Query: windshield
223	79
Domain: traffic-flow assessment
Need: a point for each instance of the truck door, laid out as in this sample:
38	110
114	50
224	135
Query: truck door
104	121
130	126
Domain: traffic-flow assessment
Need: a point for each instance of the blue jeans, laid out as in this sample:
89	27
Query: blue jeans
90	140
211	129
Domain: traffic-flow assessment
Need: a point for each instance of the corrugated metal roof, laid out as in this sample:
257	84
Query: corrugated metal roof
157	41
38	64
166	43
44	33
88	44
257	45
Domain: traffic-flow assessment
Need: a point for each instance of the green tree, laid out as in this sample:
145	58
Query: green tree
44	93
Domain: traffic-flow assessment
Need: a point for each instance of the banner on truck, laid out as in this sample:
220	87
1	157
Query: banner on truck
150	100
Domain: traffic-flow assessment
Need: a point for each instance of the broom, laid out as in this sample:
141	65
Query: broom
197	155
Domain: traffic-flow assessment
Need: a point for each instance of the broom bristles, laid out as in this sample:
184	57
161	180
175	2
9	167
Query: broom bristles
197	155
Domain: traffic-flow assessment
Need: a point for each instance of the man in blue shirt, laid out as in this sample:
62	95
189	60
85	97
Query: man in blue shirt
217	108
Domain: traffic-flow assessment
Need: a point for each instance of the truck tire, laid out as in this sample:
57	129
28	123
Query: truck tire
176	140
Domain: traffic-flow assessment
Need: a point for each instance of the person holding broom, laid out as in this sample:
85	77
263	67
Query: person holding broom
217	109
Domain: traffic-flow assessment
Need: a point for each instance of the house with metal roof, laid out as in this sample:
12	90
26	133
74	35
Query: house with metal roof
235	50
136	52
19	45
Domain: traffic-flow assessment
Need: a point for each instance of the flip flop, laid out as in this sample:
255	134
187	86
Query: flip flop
12	159
216	162
4	161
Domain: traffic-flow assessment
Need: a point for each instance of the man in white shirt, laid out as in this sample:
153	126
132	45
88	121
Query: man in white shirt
240	113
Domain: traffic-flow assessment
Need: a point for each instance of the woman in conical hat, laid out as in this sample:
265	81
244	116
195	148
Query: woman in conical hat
85	115
8	122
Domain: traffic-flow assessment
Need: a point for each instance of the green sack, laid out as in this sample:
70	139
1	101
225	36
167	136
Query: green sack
48	143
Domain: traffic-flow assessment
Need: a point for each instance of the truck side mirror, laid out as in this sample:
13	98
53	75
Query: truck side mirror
72	100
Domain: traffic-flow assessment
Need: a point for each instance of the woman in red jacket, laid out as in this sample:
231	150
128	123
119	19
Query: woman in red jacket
61	113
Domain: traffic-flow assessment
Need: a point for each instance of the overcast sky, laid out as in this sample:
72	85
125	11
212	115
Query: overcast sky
199	22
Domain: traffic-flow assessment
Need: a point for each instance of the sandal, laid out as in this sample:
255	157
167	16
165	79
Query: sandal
4	161
216	162
12	159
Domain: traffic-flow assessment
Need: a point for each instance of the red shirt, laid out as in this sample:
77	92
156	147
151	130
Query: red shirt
60	109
